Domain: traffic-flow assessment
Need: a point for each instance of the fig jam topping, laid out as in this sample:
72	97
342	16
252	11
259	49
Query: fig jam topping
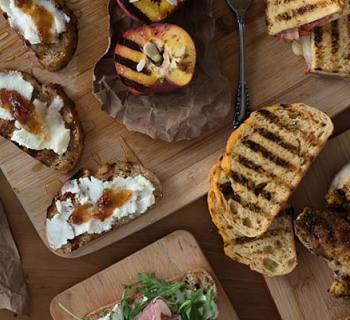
41	17
23	111
110	200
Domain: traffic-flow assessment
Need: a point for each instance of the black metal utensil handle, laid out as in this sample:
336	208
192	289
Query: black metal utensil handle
242	98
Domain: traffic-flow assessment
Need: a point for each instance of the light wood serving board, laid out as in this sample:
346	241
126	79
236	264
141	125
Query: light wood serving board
303	295
170	257
274	74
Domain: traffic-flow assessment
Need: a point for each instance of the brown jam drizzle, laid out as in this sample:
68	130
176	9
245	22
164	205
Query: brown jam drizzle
22	110
42	18
110	200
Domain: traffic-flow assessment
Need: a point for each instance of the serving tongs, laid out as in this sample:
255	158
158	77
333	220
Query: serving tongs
242	109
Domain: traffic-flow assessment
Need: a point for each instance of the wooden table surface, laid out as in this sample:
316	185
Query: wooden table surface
48	275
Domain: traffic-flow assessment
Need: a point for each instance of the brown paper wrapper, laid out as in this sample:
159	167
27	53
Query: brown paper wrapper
13	290
185	114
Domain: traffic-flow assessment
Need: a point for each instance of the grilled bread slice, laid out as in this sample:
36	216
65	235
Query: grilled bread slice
330	48
338	196
265	159
285	15
18	91
84	208
53	51
271	254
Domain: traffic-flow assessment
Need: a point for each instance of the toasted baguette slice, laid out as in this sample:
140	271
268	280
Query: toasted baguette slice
55	56
104	173
338	196
198	279
285	15
271	254
265	159
46	93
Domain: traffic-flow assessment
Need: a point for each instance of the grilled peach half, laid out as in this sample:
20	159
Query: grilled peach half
155	59
149	10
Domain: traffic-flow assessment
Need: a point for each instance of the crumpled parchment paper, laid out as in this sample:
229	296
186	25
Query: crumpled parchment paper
185	114
14	294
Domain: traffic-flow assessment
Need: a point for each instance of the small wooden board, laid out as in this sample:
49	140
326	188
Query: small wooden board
182	167
170	257
303	295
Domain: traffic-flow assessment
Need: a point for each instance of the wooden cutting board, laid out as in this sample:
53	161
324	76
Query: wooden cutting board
274	74
303	295
170	257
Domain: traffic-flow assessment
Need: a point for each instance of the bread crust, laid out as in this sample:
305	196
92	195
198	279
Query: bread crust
197	278
105	172
55	57
45	92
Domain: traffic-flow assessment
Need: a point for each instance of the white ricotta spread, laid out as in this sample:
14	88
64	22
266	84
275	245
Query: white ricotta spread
58	137
342	178
25	24
89	190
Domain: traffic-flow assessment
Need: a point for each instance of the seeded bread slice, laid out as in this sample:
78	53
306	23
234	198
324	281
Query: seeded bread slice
198	279
265	159
56	56
105	172
271	254
45	93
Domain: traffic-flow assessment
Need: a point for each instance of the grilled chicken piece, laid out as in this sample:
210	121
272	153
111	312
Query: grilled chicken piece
327	234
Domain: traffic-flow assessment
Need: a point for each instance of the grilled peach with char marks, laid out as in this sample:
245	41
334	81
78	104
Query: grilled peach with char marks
155	59
149	10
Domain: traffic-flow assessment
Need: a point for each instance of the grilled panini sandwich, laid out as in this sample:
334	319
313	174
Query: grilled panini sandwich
271	254
265	159
291	20
327	50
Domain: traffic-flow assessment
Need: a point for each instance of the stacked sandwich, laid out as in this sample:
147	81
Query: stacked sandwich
264	161
320	31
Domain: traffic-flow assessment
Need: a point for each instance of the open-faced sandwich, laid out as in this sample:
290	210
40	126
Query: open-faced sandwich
40	119
150	10
192	296
326	233
93	203
47	27
155	59
265	160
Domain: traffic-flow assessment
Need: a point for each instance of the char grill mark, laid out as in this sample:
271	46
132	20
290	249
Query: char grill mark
130	44
259	169
226	190
298	12
135	11
267	154
250	185
269	116
278	140
130	64
133	84
335	37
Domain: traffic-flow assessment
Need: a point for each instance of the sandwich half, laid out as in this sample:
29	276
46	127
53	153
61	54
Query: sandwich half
265	159
290	20
190	296
327	49
93	203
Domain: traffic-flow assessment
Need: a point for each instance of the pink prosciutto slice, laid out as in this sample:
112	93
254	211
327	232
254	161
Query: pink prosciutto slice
157	310
305	30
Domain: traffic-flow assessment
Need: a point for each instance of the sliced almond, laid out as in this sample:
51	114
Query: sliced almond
151	51
173	2
141	65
